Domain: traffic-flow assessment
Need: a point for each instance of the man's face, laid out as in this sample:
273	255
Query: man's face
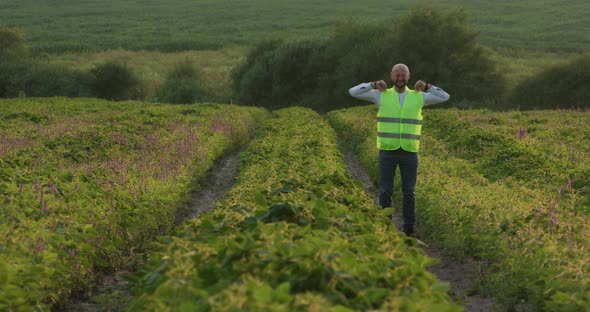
400	76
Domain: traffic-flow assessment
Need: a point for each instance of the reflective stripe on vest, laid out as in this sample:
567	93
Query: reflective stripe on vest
399	127
410	121
398	135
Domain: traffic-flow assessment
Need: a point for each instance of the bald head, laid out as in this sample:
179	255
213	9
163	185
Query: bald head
400	75
400	67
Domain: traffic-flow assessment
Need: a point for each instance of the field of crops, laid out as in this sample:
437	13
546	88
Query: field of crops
62	26
511	190
85	183
90	188
296	233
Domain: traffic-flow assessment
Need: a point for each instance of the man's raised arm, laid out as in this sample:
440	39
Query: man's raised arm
434	95
365	91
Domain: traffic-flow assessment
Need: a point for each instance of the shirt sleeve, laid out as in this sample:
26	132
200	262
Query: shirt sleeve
365	92
435	95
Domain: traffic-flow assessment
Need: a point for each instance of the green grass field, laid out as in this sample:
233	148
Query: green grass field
175	25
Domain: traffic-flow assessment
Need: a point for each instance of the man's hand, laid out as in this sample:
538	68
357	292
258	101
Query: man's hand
379	85
421	86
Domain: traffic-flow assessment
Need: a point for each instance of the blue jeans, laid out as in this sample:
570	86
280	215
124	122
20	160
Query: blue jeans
408	167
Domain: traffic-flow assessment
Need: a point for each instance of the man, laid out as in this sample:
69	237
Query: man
399	123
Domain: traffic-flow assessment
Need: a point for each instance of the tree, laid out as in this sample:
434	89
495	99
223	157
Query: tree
12	41
438	46
114	80
183	85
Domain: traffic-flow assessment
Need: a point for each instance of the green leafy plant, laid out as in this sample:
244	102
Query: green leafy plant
183	85
87	183
295	233
115	80
490	189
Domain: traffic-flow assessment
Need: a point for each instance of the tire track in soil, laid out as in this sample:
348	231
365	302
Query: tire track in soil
112	292
460	274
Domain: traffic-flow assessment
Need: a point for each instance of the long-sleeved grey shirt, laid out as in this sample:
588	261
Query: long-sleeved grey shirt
364	91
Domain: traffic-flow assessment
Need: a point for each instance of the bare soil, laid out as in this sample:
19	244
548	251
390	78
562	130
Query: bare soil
112	292
221	179
462	274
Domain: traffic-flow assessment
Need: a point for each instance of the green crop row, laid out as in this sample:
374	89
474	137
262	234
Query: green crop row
486	195
296	233
85	183
560	136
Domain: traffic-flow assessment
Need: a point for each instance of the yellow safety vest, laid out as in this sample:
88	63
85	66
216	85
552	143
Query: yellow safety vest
399	127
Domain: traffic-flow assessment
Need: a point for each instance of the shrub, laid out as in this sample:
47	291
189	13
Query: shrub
252	78
438	47
33	77
14	62
56	80
442	49
183	85
13	72
279	76
114	80
292	73
355	53
22	74
562	86
12	41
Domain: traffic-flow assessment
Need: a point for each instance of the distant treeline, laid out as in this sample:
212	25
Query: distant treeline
26	74
439	48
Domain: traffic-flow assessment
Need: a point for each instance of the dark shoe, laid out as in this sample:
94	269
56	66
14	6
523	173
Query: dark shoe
409	232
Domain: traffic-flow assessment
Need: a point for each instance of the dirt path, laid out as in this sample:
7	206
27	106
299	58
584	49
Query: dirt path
460	274
112	292
221	179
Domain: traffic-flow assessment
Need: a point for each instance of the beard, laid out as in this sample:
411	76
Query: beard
400	83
